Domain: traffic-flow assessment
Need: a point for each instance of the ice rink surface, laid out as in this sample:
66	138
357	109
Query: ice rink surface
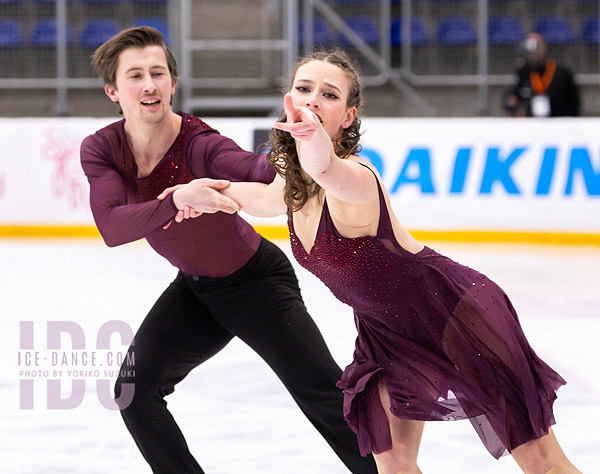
234	412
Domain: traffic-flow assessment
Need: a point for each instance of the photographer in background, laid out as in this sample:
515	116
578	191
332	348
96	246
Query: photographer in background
544	88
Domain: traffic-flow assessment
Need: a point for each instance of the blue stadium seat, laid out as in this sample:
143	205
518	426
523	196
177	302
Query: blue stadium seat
44	34
158	23
320	32
505	30
418	33
458	31
96	31
554	29
11	34
590	31
364	27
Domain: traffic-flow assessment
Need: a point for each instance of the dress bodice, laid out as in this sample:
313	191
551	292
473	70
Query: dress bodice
365	272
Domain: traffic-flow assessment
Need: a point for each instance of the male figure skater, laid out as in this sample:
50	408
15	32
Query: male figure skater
231	281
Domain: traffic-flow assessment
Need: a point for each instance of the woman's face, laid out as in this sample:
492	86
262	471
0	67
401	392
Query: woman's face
323	88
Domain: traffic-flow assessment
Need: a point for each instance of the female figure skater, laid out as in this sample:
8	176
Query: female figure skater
436	340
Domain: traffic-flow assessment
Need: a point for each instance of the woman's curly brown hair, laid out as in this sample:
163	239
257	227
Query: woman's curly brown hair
282	153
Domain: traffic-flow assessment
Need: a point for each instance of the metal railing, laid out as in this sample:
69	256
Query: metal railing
277	41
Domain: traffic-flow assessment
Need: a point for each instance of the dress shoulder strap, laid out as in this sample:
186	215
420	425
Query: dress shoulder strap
384	228
326	225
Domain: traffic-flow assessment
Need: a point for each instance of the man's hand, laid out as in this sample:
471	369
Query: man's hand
200	196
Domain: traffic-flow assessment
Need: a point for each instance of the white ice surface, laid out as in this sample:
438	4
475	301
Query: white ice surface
234	412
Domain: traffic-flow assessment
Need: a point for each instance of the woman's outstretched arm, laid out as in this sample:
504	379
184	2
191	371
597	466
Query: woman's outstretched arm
344	179
257	199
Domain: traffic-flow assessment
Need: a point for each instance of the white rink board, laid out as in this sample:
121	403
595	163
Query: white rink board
540	175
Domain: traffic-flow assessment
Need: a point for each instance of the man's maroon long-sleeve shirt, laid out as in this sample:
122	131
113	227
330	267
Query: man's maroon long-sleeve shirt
125	207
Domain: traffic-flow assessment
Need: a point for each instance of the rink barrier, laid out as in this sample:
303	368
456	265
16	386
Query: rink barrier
483	179
281	233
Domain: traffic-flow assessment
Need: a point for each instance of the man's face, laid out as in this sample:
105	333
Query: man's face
143	86
534	49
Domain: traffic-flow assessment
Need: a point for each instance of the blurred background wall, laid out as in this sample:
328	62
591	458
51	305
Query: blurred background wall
441	58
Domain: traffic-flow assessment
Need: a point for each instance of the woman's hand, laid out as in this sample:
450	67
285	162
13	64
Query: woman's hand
314	146
301	123
344	179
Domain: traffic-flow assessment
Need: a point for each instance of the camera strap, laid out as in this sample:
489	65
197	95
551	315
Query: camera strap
540	84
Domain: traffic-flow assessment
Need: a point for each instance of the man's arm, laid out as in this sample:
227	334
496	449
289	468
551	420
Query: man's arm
219	157
257	199
120	222
117	221
513	98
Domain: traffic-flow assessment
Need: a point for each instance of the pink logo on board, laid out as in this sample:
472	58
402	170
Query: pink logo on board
67	180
